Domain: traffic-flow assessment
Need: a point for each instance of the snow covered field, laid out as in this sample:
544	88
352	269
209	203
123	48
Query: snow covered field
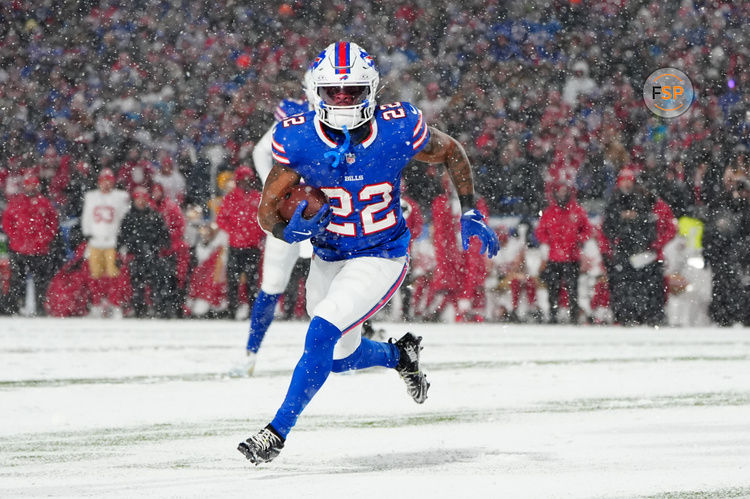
143	409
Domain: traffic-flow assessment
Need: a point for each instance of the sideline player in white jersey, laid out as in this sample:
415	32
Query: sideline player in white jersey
354	151
279	257
103	210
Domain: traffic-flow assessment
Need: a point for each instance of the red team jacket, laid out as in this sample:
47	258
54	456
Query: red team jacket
448	258
238	217
30	224
173	218
564	230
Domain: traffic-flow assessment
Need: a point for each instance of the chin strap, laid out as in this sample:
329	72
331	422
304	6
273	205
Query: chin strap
338	153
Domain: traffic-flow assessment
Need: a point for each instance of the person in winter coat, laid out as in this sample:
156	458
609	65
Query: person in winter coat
103	211
143	235
82	179
638	225
238	217
726	236
31	224
564	227
178	252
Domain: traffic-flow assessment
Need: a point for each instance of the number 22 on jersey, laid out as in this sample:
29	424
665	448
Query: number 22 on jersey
368	215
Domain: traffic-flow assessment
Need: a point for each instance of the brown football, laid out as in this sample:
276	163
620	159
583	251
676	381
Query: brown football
291	198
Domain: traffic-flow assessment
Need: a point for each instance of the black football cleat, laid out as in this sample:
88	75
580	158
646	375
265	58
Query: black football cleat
408	367
262	447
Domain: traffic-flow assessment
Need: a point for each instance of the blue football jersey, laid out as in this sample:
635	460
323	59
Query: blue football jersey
290	107
364	188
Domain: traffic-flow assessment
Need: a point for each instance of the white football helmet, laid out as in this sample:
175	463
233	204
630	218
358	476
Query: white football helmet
307	87
344	84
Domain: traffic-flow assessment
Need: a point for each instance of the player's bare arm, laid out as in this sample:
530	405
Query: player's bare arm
279	179
442	148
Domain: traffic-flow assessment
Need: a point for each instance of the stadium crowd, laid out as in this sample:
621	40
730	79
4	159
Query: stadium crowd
611	212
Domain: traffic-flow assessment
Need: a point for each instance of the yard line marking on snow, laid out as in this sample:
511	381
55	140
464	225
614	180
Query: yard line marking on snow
429	366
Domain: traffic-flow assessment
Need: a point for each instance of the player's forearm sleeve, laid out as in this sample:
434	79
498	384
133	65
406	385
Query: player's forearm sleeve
262	155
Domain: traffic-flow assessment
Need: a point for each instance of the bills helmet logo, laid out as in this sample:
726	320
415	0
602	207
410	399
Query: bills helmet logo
367	58
318	60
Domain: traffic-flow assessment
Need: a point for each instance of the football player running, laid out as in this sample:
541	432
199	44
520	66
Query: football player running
354	151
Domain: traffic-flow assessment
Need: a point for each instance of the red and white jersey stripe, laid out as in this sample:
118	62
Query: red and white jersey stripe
421	132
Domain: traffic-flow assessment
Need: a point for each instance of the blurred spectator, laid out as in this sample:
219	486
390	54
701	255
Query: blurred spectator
238	216
178	253
68	291
12	178
564	228
594	292
135	172
82	180
194	220
638	225
103	211
422	263
511	181
171	180
197	178
31	224
688	281
676	192
225	183
143	235
580	84
432	104
595	178
726	238
208	282
516	279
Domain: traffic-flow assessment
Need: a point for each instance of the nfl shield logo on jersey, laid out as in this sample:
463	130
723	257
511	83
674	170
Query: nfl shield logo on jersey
350	158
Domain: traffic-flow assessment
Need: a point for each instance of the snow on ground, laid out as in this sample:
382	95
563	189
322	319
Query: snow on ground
144	409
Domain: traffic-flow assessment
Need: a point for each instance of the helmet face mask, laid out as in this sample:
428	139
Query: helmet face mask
343	83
